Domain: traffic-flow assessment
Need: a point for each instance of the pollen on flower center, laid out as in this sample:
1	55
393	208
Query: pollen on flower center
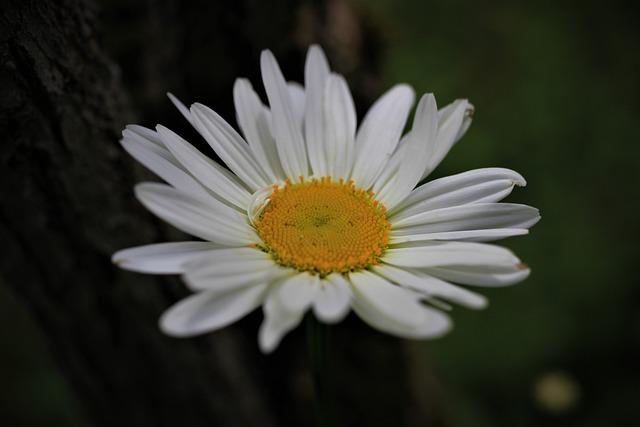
323	226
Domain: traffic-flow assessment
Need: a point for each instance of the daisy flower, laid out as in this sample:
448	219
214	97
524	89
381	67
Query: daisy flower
311	213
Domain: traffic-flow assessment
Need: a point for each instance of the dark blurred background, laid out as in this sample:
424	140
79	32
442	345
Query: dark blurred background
555	87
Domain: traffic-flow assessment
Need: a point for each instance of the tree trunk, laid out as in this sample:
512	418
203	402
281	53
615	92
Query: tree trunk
67	205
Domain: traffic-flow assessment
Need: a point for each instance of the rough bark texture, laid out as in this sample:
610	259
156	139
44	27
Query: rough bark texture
67	205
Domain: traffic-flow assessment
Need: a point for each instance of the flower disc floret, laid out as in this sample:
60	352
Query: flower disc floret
323	226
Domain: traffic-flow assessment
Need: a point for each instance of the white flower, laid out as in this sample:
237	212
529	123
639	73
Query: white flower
314	215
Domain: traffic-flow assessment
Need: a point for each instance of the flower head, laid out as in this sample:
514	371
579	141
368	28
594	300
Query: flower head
312	214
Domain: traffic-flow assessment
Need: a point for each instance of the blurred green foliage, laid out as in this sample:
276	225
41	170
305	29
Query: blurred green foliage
555	89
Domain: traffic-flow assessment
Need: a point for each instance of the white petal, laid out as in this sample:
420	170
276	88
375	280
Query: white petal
297	97
233	276
145	134
209	311
435	254
475	186
162	163
161	258
382	313
486	235
209	220
259	201
379	133
482	275
391	302
389	173
432	286
454	121
416	151
229	146
434	325
332	303
230	268
181	107
277	321
316	72
340	115
213	176
444	114
479	216
298	292
251	117
286	130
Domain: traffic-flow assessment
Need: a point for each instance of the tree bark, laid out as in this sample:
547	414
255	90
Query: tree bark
67	205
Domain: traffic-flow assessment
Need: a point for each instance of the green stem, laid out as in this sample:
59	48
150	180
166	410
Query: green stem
317	342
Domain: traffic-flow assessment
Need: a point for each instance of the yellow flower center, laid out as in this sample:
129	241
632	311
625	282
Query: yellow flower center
323	226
